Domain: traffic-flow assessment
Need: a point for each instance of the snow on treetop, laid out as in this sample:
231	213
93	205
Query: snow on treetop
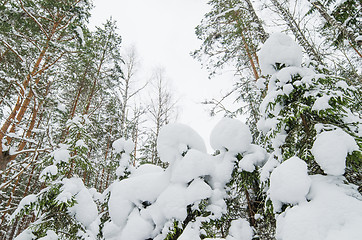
121	145
146	169
61	154
279	48
175	139
85	209
240	230
231	134
289	183
330	150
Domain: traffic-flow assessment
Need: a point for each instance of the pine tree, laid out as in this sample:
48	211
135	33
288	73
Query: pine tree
312	126
302	103
64	208
340	26
38	33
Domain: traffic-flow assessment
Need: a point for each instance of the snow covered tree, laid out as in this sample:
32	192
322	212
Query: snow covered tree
65	207
301	104
312	126
36	36
176	202
340	25
232	33
38	33
341	21
293	25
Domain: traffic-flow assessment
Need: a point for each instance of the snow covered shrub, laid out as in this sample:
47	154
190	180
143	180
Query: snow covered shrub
179	201
312	125
244	198
65	208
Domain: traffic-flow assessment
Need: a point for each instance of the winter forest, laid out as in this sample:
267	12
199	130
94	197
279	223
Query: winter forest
87	153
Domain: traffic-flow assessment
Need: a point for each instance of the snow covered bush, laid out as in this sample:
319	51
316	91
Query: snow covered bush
65	208
312	125
148	201
179	201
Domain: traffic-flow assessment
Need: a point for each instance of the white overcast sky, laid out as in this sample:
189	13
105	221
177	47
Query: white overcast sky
162	32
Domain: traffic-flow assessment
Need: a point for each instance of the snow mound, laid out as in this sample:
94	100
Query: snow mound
289	183
321	103
174	140
146	169
231	134
26	235
279	48
331	148
190	233
49	170
333	213
240	230
61	155
85	210
255	156
193	165
140	189
51	235
122	145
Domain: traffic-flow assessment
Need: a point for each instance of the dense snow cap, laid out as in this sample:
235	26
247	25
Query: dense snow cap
289	183
146	169
175	139
279	48
334	212
321	103
60	155
190	233
330	150
240	230
121	145
85	210
25	235
50	170
255	156
231	134
193	165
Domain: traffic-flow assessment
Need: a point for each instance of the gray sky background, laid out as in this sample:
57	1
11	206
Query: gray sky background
162	32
